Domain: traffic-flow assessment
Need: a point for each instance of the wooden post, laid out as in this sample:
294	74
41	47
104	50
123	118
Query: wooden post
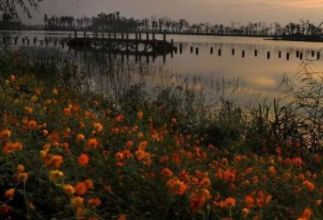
84	35
318	55
233	51
313	53
102	40
192	49
147	36
75	33
287	56
211	50
301	55
268	55
297	53
219	52
164	36
256	53
279	54
196	51
243	53
180	48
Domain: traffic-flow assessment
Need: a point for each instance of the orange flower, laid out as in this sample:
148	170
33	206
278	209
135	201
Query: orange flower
28	110
55	161
67	111
176	186
306	215
119	117
245	212
32	124
11	147
229	202
80	137
94	202
69	189
89	184
198	199
129	144
4	134
20	168
122	217
83	160
309	185
92	143
98	126
80	188
272	171
77	201
10	193
167	172
250	201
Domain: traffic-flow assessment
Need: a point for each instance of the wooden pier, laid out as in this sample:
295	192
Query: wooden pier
121	43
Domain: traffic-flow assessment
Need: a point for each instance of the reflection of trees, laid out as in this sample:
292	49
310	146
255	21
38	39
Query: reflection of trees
12	7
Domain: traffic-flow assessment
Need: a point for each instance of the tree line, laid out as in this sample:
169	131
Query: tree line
115	22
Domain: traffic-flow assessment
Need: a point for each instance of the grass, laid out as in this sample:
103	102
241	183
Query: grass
68	155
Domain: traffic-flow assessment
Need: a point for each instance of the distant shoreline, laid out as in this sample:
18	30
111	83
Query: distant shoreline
316	39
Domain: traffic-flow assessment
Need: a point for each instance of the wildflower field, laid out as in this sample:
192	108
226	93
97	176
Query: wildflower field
70	156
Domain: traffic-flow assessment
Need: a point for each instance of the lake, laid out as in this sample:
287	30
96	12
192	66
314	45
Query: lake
240	68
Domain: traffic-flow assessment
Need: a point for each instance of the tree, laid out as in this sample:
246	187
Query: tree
12	7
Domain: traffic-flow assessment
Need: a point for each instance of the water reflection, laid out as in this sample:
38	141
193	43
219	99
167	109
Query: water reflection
245	69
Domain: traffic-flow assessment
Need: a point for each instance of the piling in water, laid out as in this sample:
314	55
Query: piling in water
256	53
233	51
243	53
219	52
268	55
279	54
196	50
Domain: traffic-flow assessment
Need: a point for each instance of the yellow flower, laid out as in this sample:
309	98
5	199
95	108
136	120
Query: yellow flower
54	175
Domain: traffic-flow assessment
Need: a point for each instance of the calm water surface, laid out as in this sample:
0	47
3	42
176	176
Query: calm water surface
232	70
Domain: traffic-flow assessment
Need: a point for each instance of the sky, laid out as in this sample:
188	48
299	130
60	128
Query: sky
213	11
